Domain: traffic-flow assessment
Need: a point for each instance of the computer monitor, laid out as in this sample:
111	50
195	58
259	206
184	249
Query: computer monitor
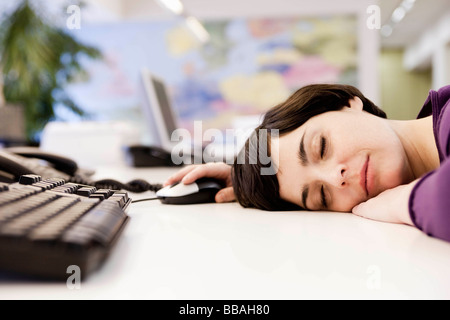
162	121
158	108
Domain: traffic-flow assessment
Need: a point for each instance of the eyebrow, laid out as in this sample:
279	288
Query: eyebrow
304	161
301	151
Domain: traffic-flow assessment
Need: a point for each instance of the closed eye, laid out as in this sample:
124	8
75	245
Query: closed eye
323	145
324	200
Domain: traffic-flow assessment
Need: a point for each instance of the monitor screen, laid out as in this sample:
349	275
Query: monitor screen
165	106
158	109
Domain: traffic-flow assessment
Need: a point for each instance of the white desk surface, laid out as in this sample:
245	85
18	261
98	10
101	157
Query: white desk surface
223	251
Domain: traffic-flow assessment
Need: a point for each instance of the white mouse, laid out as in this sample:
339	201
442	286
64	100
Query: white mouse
201	191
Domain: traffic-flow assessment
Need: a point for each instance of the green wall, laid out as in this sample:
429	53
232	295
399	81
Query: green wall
402	93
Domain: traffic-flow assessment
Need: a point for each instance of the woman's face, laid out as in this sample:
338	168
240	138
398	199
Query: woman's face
339	159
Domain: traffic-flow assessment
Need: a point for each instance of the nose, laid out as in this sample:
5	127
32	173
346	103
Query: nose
335	175
342	176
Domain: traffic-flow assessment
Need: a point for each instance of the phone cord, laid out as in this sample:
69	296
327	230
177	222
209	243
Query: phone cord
136	185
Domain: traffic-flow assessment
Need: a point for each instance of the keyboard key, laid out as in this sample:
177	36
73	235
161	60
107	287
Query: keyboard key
15	209
106	192
120	197
27	221
15	194
4	186
99	196
29	179
86	191
54	227
69	188
123	194
48	184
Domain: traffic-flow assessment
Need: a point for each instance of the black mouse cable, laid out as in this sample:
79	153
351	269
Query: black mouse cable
144	199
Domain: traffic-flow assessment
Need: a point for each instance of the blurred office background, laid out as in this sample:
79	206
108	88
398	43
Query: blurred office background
228	60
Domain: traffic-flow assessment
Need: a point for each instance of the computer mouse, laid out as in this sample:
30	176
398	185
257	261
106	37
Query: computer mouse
202	190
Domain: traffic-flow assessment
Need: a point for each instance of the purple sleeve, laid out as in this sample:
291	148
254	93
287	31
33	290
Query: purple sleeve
429	203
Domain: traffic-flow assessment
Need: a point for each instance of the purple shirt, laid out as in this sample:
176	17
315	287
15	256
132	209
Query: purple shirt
429	203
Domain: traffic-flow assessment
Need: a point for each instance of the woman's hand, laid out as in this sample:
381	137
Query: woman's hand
217	170
389	206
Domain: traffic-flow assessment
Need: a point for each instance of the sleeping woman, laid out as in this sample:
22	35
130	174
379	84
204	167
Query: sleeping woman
335	150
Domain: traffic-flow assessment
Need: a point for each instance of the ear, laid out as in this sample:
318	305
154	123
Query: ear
355	104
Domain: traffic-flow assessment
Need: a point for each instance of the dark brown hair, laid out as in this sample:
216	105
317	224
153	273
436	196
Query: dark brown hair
253	189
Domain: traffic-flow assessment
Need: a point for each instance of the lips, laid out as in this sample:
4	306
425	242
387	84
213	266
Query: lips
363	177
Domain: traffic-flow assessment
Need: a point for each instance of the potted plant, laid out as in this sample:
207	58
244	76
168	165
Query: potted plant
37	60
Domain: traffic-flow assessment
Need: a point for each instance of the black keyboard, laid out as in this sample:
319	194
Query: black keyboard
48	225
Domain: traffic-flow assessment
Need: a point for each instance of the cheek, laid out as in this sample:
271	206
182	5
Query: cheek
363	132
345	200
391	171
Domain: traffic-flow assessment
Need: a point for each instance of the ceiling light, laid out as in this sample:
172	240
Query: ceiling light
197	28
398	14
408	4
174	6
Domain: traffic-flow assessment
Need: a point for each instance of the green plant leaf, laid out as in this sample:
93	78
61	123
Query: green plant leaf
37	61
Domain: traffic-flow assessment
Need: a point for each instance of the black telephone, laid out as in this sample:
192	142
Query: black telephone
18	161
